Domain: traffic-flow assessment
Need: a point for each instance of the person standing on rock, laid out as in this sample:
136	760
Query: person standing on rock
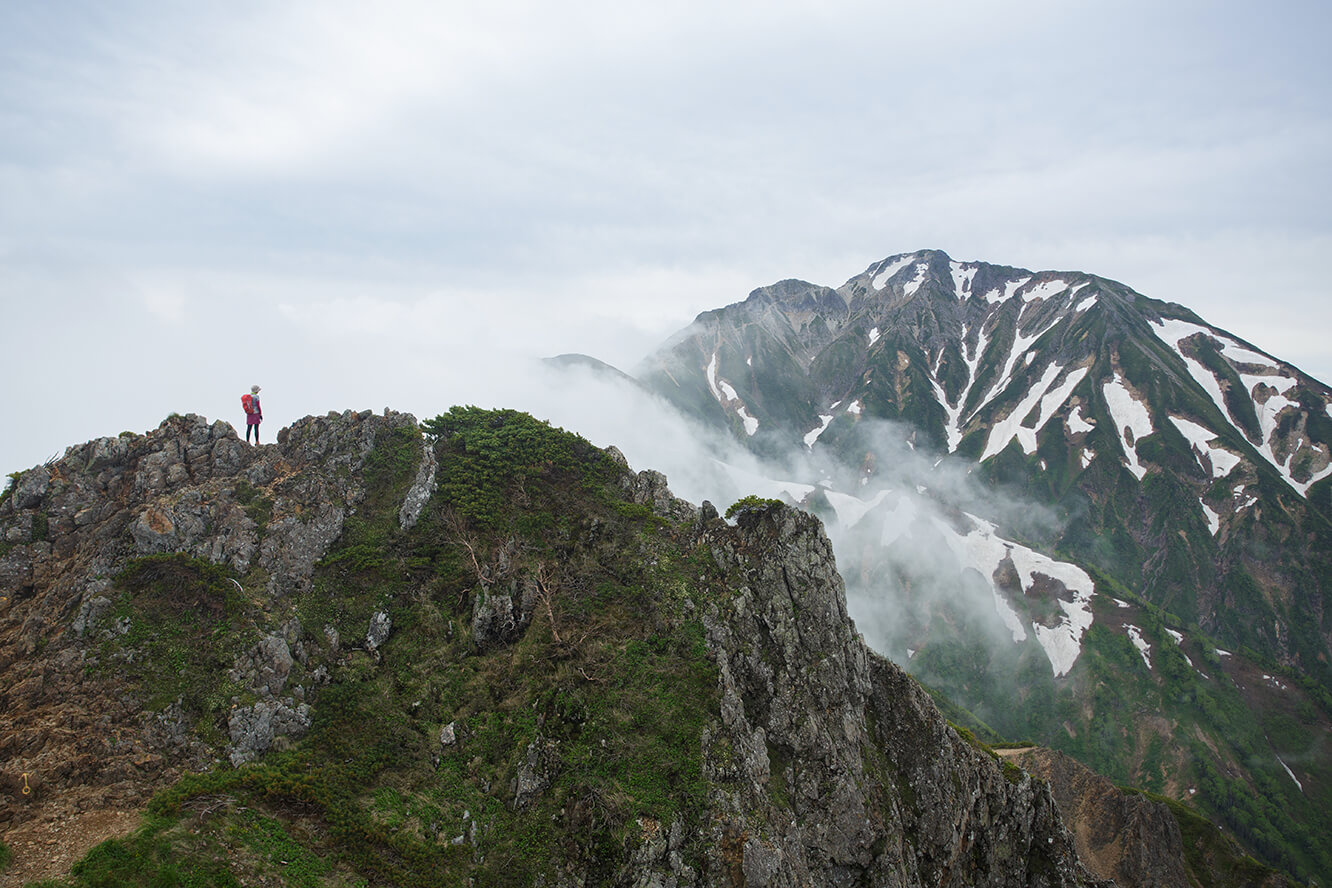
254	414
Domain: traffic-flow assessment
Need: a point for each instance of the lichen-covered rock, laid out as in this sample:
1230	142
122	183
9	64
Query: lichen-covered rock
380	627
264	668
254	729
420	491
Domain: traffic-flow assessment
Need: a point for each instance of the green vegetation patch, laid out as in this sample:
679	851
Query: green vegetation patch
182	630
751	502
495	458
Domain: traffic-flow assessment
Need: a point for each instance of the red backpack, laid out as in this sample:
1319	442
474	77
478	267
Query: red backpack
247	401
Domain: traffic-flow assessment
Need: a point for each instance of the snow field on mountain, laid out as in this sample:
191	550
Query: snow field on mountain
1130	415
995	296
922	269
1174	331
1269	412
726	394
1213	519
1044	290
885	274
1044	401
1087	301
953	426
962	277
984	550
824	421
1144	649
1200	437
1076	424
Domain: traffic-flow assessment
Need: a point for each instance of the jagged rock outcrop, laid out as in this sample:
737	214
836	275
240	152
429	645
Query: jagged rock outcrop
69	730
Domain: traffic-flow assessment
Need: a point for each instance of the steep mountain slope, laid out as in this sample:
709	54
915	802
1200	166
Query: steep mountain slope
487	654
1154	518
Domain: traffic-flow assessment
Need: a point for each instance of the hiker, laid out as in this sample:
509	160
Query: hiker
254	414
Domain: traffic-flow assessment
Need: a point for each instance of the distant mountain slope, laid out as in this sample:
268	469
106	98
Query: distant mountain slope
1154	518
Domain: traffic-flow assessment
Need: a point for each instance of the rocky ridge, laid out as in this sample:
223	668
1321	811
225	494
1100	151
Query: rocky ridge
75	743
824	764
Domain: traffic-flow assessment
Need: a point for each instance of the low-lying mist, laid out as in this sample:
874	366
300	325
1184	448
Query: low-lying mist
902	534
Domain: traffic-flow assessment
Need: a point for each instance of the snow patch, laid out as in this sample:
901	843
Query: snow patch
1179	642
1045	403
855	407
1013	286
1076	424
1020	346
1213	519
874	335
996	295
1045	290
962	278
1130	416
1087	456
1241	355
1292	774
1135	636
726	395
751	423
1200	437
914	284
712	377
813	435
953	425
1173	331
1062	643
881	279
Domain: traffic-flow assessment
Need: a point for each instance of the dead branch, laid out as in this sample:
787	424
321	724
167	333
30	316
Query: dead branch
459	536
545	585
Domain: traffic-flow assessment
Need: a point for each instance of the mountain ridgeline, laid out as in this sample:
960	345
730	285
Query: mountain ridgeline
1086	516
475	651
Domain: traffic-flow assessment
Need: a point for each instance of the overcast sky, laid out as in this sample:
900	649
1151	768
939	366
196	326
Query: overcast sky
364	205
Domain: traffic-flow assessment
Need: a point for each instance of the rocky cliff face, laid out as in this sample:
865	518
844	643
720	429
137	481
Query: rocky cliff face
428	664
